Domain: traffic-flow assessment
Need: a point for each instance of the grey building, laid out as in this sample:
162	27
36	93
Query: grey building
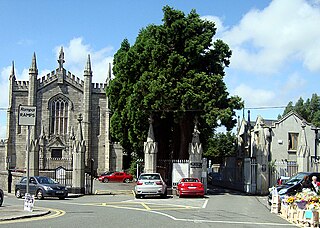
277	148
59	98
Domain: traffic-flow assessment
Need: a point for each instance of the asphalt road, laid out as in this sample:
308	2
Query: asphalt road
221	208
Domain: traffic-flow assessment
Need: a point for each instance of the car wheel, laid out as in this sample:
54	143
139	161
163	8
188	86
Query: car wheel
61	197
137	196
39	194
126	180
105	180
18	193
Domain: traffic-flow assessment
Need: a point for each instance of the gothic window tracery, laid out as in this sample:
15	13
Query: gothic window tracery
59	110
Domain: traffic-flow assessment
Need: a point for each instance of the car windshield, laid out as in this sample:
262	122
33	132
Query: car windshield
107	173
150	177
295	179
190	180
46	180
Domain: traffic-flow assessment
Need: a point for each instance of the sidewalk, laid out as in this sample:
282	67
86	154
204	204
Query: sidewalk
11	212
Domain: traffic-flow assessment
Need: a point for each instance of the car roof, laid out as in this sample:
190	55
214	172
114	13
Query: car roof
149	173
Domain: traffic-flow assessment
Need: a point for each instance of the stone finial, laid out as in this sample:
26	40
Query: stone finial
196	132
72	136
61	59
87	70
42	134
150	137
33	67
12	70
109	74
79	133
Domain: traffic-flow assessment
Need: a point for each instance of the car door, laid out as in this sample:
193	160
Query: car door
32	186
120	177
22	185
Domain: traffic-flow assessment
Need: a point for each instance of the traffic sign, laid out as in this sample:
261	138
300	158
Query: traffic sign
27	115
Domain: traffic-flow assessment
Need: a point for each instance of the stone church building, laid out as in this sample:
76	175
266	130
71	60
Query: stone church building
59	98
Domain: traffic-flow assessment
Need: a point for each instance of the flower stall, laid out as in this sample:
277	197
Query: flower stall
302	208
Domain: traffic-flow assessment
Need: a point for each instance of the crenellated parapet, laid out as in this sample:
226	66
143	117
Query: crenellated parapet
53	76
20	85
46	79
99	87
74	78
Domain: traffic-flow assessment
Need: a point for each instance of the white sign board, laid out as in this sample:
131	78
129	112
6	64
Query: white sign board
27	115
179	171
28	202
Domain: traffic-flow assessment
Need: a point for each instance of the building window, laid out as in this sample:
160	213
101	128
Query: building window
56	153
59	116
293	141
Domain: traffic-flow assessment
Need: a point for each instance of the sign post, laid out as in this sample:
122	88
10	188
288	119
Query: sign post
27	117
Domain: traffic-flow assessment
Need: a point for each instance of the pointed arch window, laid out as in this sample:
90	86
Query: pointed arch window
59	110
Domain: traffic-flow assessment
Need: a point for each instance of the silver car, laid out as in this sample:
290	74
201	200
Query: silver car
150	184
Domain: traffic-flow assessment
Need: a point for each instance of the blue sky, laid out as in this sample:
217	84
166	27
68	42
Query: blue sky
275	43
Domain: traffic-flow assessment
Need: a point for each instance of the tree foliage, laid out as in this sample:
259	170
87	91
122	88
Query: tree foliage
309	109
173	72
221	144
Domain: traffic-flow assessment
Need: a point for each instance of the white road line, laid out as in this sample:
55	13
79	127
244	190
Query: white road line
221	221
205	203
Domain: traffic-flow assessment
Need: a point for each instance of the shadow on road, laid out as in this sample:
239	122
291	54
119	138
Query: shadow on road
217	190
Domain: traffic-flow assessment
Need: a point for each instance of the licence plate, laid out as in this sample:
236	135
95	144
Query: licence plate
191	187
59	192
148	183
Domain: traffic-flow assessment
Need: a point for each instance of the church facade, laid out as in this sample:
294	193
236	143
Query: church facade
59	98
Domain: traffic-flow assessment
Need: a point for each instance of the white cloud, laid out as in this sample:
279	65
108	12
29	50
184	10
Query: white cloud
265	40
254	97
218	22
294	82
76	55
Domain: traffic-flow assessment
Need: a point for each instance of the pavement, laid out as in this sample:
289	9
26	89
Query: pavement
13	212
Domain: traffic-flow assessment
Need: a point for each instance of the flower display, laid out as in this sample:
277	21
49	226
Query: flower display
307	199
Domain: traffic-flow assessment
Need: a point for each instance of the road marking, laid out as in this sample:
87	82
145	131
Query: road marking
57	213
145	206
221	221
205	203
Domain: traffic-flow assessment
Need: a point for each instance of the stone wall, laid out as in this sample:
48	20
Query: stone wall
16	176
2	155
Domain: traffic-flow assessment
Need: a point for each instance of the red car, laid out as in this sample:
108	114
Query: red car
116	177
190	187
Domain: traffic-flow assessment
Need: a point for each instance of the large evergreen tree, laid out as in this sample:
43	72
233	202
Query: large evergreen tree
309	109
174	73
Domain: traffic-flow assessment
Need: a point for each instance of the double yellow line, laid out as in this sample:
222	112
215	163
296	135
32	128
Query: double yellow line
56	213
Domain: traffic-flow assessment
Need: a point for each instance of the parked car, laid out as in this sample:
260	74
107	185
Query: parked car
190	187
150	184
213	177
293	184
1	197
41	187
116	177
282	180
107	173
